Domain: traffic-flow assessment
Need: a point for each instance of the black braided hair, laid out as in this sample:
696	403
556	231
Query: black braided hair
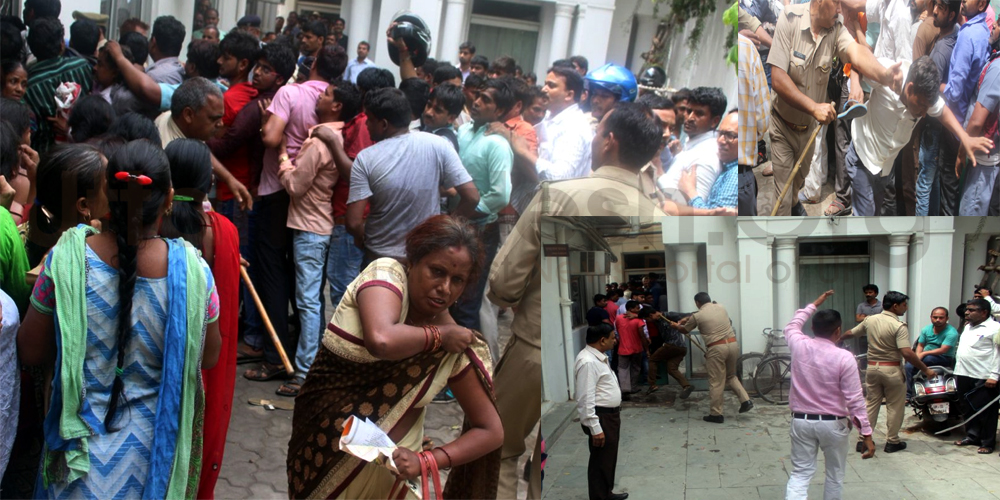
191	175
133	209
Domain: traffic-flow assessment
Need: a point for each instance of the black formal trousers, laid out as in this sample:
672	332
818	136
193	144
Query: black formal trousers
603	460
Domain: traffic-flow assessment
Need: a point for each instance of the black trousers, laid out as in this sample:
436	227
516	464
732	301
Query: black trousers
603	460
275	273
983	428
951	188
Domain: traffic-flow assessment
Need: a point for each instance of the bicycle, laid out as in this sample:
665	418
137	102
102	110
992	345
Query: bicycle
773	379
746	365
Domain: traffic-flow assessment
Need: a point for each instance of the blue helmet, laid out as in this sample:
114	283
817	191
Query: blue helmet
615	79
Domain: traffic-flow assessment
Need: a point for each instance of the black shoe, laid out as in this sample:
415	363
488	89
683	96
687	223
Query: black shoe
746	406
893	448
687	391
860	448
715	419
627	396
618	496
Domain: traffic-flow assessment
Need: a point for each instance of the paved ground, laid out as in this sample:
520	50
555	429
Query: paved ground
257	443
767	193
668	452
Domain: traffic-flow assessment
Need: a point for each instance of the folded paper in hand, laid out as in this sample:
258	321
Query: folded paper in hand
365	440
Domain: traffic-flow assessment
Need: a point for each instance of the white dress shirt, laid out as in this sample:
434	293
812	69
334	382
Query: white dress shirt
881	134
355	67
895	40
596	385
702	151
564	145
977	356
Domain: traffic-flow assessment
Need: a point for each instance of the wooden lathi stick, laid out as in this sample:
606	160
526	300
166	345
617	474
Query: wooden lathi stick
267	321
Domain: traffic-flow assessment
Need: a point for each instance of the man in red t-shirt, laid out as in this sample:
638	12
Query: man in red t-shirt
632	342
239	53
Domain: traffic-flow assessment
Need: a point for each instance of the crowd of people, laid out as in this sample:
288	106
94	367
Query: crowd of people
902	97
629	332
140	195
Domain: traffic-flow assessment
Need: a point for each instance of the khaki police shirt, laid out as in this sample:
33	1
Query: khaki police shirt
807	60
712	321
608	191
886	336
746	21
516	278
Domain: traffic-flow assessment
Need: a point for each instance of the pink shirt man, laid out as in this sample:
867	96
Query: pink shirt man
825	378
295	104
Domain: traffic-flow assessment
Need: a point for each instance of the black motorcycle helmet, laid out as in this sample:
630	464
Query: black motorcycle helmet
413	30
654	76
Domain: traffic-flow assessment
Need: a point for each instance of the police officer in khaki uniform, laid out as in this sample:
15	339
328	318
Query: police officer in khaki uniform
713	322
888	344
806	39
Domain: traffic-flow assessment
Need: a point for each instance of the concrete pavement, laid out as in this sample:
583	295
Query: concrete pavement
668	452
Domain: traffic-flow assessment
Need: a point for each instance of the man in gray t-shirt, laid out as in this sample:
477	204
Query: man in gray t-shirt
871	304
399	176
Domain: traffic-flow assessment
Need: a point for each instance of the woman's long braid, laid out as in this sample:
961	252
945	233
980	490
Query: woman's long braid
126	223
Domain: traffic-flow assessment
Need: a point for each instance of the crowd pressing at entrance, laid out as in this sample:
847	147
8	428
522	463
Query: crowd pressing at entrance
629	332
137	201
901	96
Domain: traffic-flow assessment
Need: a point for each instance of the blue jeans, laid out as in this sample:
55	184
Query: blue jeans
929	360
867	190
343	263
310	251
979	182
253	334
466	311
928	187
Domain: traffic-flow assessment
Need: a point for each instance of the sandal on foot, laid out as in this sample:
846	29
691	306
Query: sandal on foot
265	371
835	208
247	354
427	444
290	388
652	389
985	451
966	442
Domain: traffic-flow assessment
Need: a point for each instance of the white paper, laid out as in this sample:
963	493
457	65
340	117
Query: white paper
365	440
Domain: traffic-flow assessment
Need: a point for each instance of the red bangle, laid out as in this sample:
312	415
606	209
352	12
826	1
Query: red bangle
445	454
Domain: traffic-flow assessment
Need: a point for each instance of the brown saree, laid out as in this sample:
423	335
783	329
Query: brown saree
346	380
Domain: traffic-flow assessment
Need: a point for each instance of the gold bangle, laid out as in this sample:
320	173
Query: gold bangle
283	158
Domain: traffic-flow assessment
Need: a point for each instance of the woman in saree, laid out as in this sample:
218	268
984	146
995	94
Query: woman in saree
218	241
390	347
125	319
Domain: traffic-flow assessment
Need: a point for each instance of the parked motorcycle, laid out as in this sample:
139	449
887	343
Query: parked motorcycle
936	397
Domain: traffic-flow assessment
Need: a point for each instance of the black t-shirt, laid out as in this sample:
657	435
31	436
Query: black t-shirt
597	315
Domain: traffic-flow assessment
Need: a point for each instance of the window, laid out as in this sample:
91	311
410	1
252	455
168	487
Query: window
651	260
576	295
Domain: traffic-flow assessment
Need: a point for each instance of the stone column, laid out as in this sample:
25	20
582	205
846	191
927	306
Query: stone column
561	32
784	274
452	30
899	247
358	26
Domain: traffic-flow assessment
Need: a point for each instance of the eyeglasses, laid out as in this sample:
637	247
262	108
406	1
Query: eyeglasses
732	136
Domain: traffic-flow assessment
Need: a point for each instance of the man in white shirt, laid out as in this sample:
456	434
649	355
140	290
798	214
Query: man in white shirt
564	137
356	66
895	40
977	368
987	294
881	134
706	107
598	402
